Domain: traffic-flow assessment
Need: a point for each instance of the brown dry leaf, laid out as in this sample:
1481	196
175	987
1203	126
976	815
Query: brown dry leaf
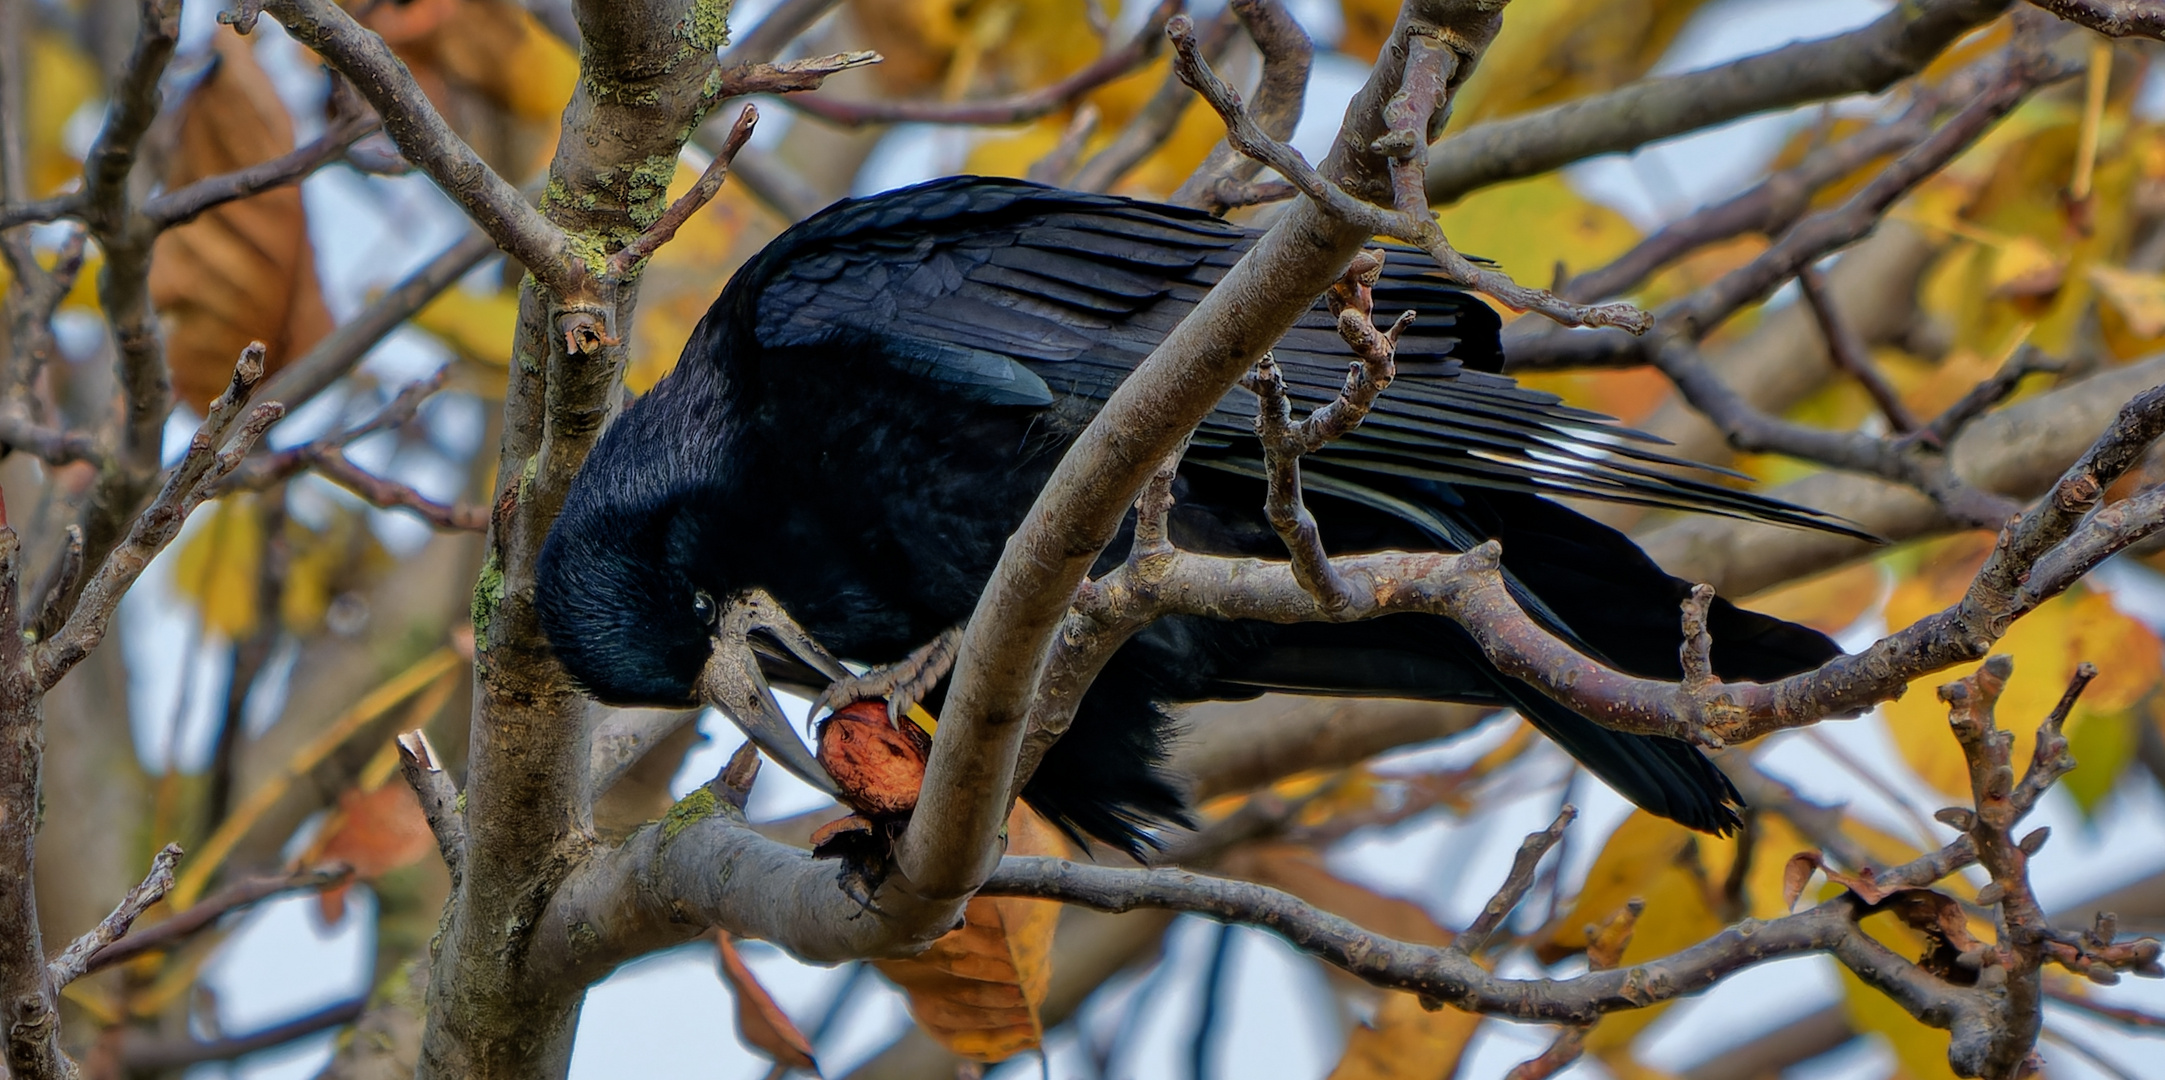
760	1022
375	832
244	271
1799	869
1406	1041
977	990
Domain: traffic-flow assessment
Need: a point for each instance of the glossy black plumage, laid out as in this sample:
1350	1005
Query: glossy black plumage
869	408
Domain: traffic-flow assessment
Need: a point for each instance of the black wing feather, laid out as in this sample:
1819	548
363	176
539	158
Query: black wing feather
1073	290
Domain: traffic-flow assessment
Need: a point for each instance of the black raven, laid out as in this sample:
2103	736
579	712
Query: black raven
871	405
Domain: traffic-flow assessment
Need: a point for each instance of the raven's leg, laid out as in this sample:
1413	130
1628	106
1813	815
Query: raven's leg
902	684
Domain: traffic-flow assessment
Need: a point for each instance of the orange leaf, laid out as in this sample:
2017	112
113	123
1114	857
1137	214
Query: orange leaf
375	832
760	1022
977	989
244	271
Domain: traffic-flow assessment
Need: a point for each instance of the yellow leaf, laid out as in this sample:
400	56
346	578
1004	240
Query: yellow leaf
1556	50
977	990
2047	644
1829	602
476	325
2139	299
221	565
63	80
1406	1041
1530	226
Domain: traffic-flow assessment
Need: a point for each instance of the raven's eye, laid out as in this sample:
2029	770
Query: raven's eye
703	607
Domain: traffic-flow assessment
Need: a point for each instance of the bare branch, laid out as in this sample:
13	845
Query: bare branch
140	1050
440	799
1521	878
2112	18
1430	67
183	925
1279	97
1850	353
76	960
1769	207
184	204
344	347
791	76
426	139
1893	47
665	228
211	456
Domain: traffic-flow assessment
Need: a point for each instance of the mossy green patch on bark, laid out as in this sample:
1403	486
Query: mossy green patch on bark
688	811
707	27
488	592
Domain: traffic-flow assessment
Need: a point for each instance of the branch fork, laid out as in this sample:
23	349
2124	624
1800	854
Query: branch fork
1411	116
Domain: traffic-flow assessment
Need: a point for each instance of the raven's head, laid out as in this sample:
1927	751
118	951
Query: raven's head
625	588
620	609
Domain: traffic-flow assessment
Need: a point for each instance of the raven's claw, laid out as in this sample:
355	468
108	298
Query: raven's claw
901	684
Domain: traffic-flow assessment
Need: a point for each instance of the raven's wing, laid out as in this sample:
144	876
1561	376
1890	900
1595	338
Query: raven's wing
1016	293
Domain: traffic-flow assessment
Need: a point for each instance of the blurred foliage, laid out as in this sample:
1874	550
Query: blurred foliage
2037	227
244	271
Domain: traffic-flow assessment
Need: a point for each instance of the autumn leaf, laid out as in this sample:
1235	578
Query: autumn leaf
374	832
220	567
1828	602
978	989
244	271
490	66
1407	1041
2047	644
760	1022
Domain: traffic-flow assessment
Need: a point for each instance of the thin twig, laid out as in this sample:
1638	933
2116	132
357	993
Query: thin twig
80	957
665	228
1851	354
185	924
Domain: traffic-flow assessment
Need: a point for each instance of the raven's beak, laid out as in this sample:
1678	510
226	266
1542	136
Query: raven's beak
733	683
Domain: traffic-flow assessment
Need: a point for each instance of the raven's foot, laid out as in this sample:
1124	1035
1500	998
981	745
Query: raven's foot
866	849
902	684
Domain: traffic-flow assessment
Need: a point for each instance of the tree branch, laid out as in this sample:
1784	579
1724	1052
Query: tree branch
79	958
1864	61
2112	18
426	139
